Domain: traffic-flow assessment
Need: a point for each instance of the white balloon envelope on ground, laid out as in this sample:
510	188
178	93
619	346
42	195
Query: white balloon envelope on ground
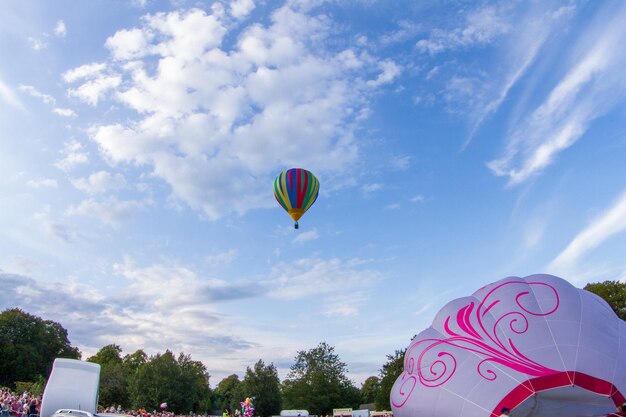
536	345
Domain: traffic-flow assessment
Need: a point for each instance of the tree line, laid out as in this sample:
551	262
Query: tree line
317	380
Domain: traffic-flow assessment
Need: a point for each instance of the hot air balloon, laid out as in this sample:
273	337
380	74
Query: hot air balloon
296	190
537	346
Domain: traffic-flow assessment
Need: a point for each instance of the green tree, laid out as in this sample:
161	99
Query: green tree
195	382
263	384
29	345
108	355
318	382
113	376
613	292
369	390
390	371
182	383
229	393
133	361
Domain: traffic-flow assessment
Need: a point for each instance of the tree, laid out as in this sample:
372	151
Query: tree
263	384
113	376
613	292
390	371
229	393
369	390
194	380
133	361
108	355
29	345
318	382
182	383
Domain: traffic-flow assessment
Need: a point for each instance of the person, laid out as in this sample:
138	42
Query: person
32	409
504	412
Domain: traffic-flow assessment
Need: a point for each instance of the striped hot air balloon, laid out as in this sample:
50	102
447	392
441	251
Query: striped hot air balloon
296	190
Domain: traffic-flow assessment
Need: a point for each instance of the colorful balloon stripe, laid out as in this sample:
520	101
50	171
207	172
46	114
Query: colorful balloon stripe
296	190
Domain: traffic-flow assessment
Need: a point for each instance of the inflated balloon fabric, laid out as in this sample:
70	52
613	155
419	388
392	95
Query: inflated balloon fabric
536	345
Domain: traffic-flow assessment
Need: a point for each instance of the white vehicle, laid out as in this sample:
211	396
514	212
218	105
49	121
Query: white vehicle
72	388
66	412
294	413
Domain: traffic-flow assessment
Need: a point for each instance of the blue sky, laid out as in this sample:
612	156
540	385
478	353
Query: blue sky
456	143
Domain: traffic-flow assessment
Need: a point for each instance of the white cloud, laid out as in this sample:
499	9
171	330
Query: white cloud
401	162
163	307
606	225
371	188
223	258
99	182
589	89
110	210
392	206
129	44
8	96
64	112
32	91
37	44
60	29
241	8
417	199
94	90
515	37
42	183
306	236
211	121
54	228
323	279
74	155
482	27
87	71
390	70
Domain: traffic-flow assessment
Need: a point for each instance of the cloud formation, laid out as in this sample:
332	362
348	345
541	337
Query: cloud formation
592	84
99	182
603	227
215	121
110	210
74	154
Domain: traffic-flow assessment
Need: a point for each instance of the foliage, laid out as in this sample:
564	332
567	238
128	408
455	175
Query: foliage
21	386
229	393
613	292
29	345
390	371
108	355
263	384
369	390
317	382
133	361
113	376
38	386
182	383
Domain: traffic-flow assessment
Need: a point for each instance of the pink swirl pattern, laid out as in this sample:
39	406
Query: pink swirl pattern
468	331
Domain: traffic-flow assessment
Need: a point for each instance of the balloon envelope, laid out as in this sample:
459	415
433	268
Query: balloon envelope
536	345
296	190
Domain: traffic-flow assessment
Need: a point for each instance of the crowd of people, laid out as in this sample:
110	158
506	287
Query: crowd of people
27	405
15	405
139	413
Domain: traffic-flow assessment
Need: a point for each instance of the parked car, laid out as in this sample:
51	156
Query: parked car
68	412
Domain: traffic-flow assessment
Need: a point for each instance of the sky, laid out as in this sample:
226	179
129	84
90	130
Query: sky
456	143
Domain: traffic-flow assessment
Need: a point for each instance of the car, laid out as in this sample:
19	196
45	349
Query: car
68	412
